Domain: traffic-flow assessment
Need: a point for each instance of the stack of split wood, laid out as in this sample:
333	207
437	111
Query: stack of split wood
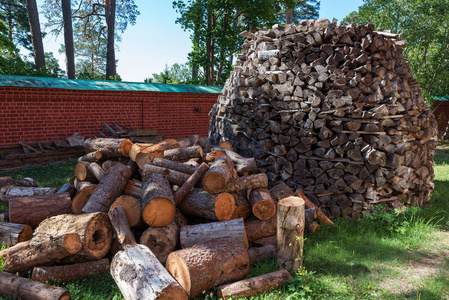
331	110
203	211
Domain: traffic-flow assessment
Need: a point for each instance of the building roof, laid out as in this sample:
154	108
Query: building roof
104	85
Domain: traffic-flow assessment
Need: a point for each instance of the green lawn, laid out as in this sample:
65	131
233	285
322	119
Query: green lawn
383	256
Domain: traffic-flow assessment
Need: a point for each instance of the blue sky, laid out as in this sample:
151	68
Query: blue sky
156	40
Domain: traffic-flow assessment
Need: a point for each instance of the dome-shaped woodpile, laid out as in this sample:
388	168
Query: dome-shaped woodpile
333	111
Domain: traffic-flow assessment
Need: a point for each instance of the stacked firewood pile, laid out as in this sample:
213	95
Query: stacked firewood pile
203	211
333	111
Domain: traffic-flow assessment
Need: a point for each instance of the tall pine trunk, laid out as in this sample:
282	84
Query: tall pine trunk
222	50
289	16
210	45
110	6
68	38
36	34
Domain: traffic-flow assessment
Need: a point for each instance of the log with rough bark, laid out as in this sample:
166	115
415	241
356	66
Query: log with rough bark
174	165
96	170
204	266
136	270
190	183
280	191
203	204
132	208
242	207
83	173
27	191
133	188
319	213
172	176
199	234
146	156
247	183
262	205
257	229
11	234
23	288
109	188
161	240
109	147
257	254
32	210
158	206
67	273
226	145
6	181
218	175
81	198
13	249
26	182
290	233
94	229
136	148
241	163
269	240
95	156
46	253
254	286
183	154
211	156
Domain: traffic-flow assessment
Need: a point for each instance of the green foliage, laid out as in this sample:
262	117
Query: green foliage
303	9
14	14
176	74
423	23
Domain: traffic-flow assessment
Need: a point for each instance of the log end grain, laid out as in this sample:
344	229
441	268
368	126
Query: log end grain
81	198
131	206
125	147
264	209
81	171
159	212
214	183
98	236
72	243
224	206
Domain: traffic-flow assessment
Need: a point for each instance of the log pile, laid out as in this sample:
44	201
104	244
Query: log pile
333	111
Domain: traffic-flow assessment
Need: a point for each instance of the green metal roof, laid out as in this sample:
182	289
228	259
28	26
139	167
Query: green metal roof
104	85
441	98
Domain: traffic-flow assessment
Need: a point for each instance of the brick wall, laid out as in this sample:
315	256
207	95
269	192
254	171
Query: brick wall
441	113
45	114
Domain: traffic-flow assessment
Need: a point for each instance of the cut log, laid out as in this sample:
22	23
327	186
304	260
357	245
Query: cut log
254	286
247	183
69	273
13	249
204	266
241	164
225	145
136	148
131	206
146	156
109	147
158	206
136	270
172	176
174	165
218	175
194	140
269	240
96	170
26	191
11	234
257	254
6	181
290	233
281	191
26	182
32	210
91	157
46	253
261	203
257	229
22	288
190	183
67	188
210	157
82	172
94	230
242	207
79	185
133	188
203	204
81	198
183	154
319	213
161	240
110	187
199	234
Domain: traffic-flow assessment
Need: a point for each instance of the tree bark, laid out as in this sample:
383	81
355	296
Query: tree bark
67	273
281	191
131	206
33	210
22	288
133	188
11	234
202	233
83	173
242	207
109	10
13	249
254	286
242	164
247	183
319	213
262	204
68	38
146	156
161	240
174	165
91	156
172	176
257	254
158	206
81	198
290	233
96	170
258	229
218	175
109	147
36	35
204	266
183	154
190	183
25	191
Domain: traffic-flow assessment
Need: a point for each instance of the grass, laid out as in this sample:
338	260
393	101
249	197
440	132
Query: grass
388	255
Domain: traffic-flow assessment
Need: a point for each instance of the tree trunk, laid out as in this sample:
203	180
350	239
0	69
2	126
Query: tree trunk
161	240
94	230
254	286
199	234
109	147
289	16
269	240
257	254
247	183
11	234
13	249
33	210
109	11
258	229
80	199
131	206
290	233
262	204
204	266
210	45
68	38
46	253
69	273
96	170
158	206
172	176
36	35
110	187
22	288
174	165
190	183
218	175
183	154
136	270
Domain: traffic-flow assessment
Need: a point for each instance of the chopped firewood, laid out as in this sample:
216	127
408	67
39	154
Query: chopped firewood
218	175
247	183
172	176
190	183
17	247
81	198
174	165
146	156
109	147
262	204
